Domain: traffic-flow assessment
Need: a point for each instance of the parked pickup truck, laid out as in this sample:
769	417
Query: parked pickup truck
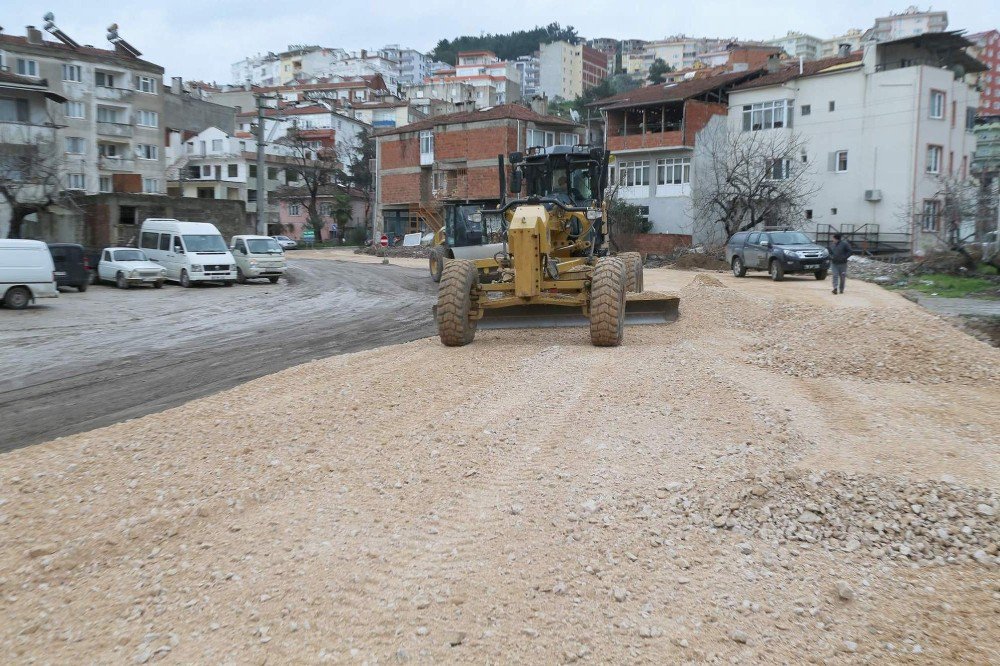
777	252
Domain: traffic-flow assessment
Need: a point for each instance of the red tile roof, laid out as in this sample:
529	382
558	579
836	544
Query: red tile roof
674	92
501	112
68	50
791	71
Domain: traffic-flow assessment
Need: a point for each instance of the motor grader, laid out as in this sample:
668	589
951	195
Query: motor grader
551	265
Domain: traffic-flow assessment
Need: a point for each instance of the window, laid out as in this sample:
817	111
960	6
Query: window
833	211
146	151
937	104
932	215
149	239
14	110
809	213
439	181
74	145
104	80
540	138
272	173
164	241
633	174
107	114
148	119
778	169
104	184
767	115
146	84
194	171
833	105
426	142
326	209
970	118
74	109
806	109
673	171
27	67
934	159
76	181
294	209
72	73
206	171
251	196
252	170
150	185
216	145
232	170
838	161
569	139
107	149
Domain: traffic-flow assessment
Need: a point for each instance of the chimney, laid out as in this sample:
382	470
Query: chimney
176	85
540	104
843	50
34	35
773	63
364	54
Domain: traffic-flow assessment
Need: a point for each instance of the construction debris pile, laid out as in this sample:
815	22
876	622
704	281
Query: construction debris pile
400	251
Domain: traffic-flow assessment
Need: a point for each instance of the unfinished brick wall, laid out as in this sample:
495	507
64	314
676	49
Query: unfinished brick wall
696	116
400	188
399	151
478	143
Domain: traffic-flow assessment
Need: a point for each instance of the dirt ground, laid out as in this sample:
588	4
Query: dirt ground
780	476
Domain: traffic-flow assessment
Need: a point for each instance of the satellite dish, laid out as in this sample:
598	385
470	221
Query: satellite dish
575	115
49	16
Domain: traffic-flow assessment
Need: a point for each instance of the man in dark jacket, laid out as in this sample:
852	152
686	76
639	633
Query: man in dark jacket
839	254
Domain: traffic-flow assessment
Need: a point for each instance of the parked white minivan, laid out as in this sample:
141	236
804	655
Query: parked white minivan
26	273
190	251
257	257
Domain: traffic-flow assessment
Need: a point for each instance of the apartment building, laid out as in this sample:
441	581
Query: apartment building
110	124
387	113
567	70
528	75
986	50
651	135
850	40
258	70
798	45
444	168
493	81
345	130
412	66
882	130
906	24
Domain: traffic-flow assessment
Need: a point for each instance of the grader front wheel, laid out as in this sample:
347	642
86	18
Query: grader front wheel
436	263
457	301
633	271
607	302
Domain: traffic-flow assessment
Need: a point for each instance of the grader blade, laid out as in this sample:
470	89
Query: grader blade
640	309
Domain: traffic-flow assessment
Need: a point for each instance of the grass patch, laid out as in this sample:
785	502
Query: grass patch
952	286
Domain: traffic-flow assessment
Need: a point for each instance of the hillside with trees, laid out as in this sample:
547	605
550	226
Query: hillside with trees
507	46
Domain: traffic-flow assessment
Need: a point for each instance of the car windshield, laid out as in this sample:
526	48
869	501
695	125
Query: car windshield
130	255
263	246
204	243
790	238
283	238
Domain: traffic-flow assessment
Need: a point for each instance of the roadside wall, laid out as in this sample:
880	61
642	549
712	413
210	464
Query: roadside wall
653	243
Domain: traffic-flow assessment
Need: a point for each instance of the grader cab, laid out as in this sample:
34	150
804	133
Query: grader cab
552	266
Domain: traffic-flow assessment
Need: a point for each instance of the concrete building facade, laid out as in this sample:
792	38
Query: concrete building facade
908	23
834	45
412	66
798	45
566	70
528	71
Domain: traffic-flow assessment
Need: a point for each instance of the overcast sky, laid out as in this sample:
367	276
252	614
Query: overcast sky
200	39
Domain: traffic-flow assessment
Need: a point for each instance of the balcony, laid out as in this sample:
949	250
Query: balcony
113	94
115	129
641	140
20	133
115	164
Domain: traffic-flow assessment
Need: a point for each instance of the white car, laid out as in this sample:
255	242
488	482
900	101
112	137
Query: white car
285	242
126	266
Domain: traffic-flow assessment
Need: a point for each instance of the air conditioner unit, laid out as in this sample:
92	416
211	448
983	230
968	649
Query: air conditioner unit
873	195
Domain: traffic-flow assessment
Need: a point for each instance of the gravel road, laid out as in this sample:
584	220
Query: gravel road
87	360
781	476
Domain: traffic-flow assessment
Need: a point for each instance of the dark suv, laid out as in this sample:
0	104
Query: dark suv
73	267
777	252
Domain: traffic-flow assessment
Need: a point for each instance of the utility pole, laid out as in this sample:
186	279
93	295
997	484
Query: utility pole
261	168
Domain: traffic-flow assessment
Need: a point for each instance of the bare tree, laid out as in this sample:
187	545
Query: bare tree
741	180
29	179
357	154
315	165
959	217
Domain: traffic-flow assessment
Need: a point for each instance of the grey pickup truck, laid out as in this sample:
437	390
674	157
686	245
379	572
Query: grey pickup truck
777	252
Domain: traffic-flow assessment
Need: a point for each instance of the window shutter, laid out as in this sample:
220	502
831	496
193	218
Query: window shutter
831	162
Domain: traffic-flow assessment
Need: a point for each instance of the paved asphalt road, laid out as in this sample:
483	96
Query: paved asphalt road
87	360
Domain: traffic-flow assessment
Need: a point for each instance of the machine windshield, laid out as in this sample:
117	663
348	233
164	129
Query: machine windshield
790	238
204	243
263	246
130	255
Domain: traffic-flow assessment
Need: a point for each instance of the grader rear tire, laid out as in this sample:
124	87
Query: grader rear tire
436	263
607	302
457	302
633	271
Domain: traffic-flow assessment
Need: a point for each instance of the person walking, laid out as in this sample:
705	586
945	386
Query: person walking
839	254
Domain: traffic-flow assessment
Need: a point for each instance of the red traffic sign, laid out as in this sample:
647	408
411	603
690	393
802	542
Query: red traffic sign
384	241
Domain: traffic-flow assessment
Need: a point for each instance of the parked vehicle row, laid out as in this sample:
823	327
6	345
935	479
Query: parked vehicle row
169	250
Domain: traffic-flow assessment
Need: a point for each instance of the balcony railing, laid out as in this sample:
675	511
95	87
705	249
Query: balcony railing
113	94
115	164
20	133
114	129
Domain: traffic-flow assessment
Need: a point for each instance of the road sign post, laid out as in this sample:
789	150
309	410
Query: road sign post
384	242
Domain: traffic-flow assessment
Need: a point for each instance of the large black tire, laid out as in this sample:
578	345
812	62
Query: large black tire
158	284
739	268
776	270
273	279
607	302
436	263
120	281
240	277
185	279
17	298
458	299
820	275
82	287
633	271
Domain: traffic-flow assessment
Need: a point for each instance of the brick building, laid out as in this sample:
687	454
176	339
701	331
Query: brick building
987	51
447	165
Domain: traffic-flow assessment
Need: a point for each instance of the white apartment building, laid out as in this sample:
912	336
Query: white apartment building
109	136
491	81
566	70
907	24
528	69
411	65
258	70
679	52
798	45
881	131
831	47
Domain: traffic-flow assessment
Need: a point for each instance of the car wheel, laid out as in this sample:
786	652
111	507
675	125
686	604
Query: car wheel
274	279
228	283
185	279
776	270
240	277
17	298
820	275
82	287
158	284
739	270
120	281
95	277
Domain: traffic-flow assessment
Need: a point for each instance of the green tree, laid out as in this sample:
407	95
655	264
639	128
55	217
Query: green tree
657	70
507	46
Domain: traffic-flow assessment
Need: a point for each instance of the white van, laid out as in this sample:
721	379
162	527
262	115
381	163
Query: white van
190	251
257	257
26	273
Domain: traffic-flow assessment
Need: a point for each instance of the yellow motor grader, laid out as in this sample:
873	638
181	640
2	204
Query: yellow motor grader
551	265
